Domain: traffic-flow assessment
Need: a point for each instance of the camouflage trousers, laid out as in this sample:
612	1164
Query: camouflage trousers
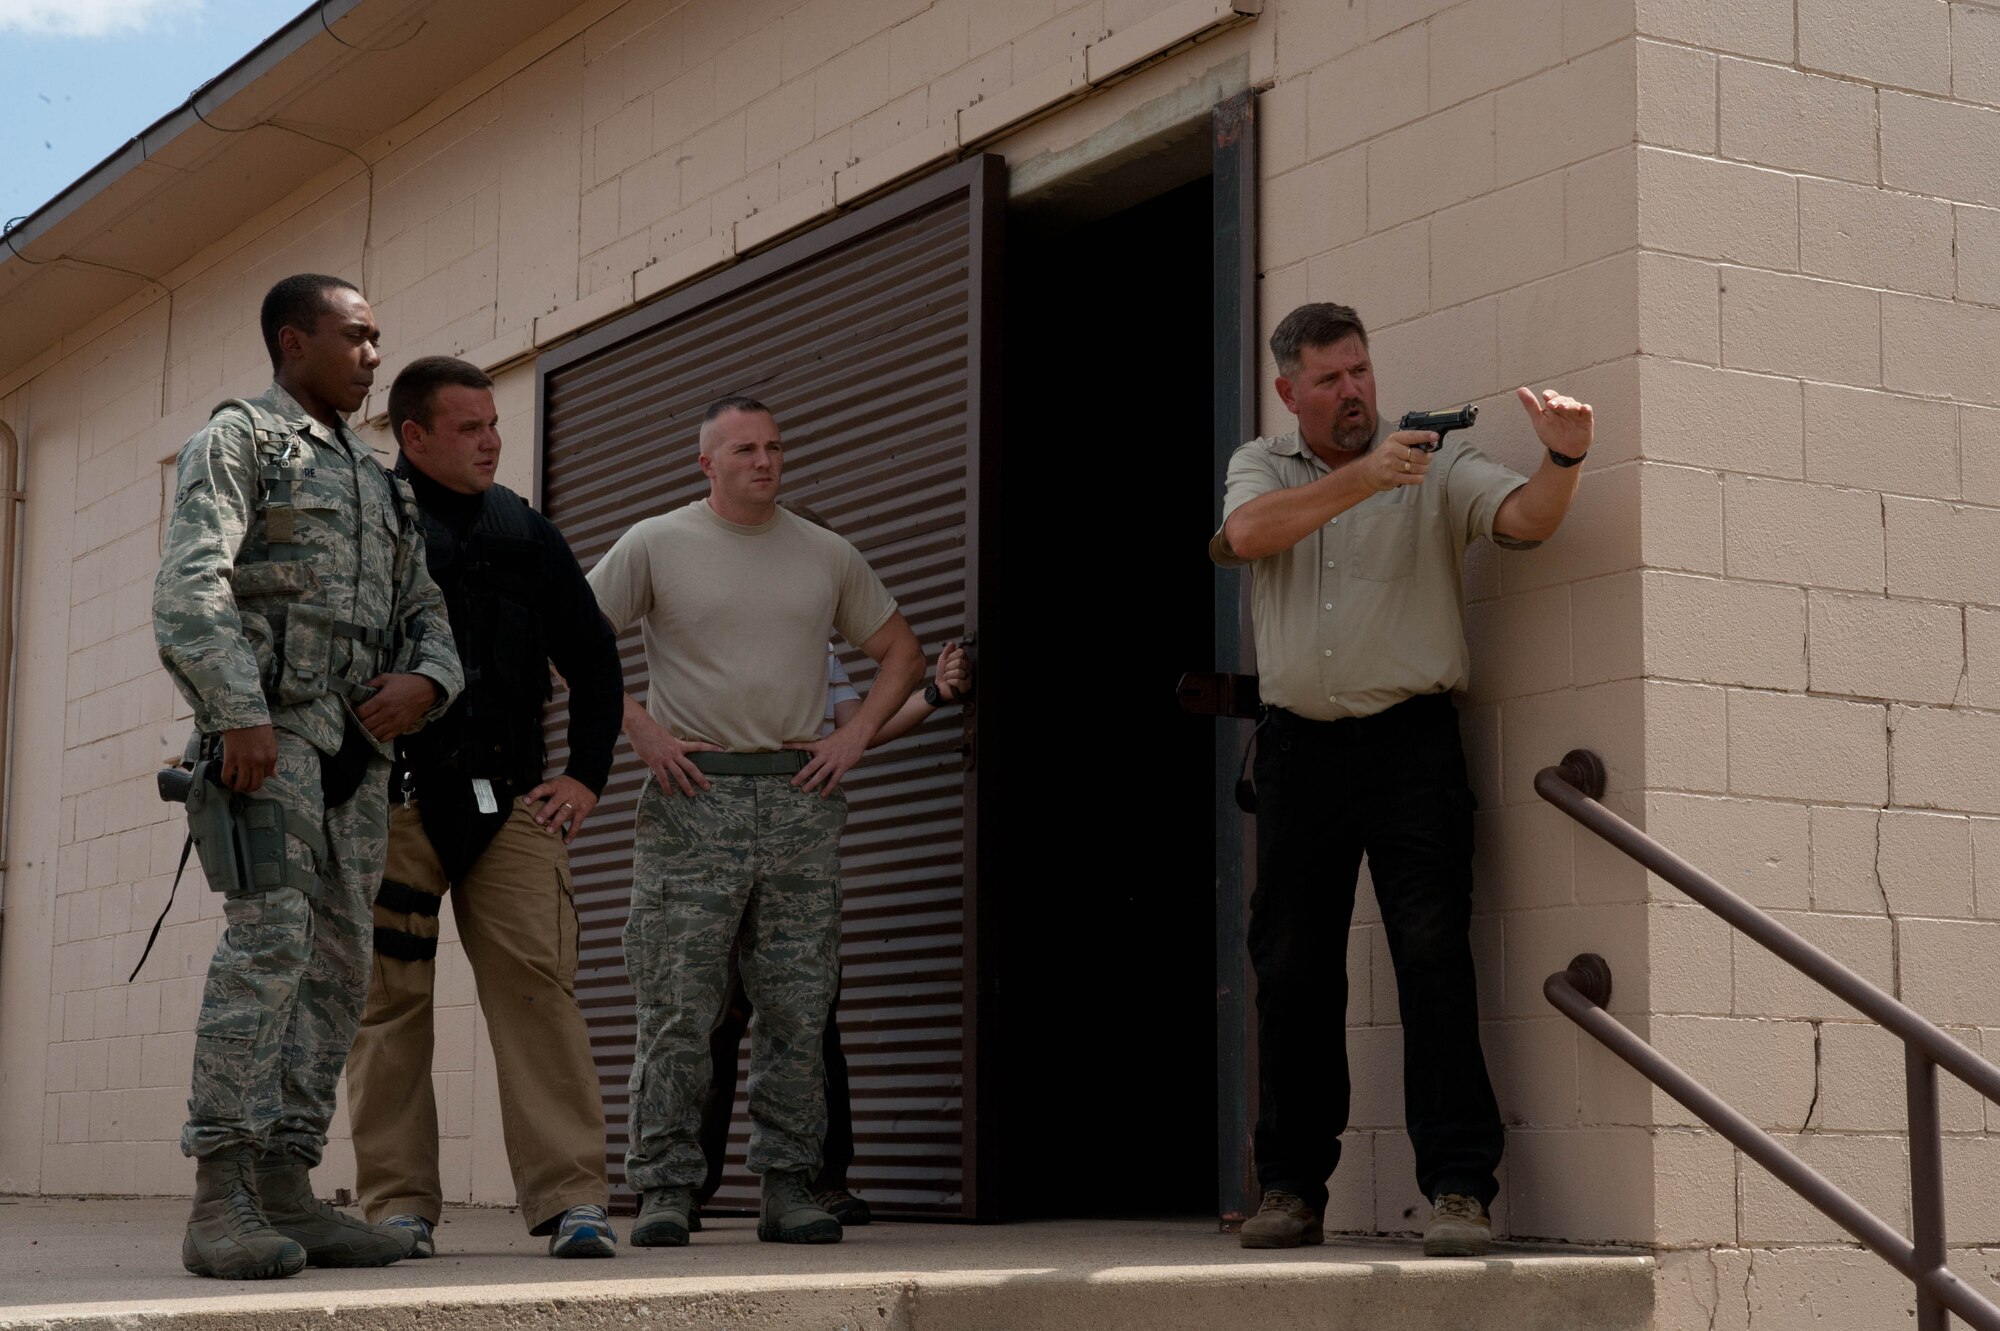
751	858
289	978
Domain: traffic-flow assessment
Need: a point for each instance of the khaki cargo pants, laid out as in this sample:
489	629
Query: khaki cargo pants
517	920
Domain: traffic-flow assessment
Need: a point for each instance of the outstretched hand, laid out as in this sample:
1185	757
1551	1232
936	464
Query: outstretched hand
1563	424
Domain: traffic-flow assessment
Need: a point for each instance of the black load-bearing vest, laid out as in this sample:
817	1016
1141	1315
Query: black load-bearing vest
493	584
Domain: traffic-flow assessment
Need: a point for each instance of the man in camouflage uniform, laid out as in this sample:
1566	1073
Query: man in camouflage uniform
295	613
738	598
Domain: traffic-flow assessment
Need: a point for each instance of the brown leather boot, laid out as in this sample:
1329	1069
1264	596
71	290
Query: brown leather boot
1283	1221
1459	1227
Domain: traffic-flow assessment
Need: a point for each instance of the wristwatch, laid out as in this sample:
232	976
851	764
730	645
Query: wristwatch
933	697
1565	460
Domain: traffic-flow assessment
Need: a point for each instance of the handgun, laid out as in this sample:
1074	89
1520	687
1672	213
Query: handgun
174	782
1440	423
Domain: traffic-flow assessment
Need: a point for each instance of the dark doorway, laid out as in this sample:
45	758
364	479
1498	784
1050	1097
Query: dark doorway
1098	792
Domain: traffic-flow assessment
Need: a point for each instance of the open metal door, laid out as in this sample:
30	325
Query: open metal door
1234	125
873	339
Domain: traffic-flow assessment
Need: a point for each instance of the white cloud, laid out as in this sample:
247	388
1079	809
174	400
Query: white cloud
86	18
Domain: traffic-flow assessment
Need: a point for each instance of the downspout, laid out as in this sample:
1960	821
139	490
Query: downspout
11	500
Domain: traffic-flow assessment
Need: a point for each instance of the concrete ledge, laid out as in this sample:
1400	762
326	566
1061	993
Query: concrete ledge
1032	96
505	349
785	216
98	1265
704	256
898	160
611	298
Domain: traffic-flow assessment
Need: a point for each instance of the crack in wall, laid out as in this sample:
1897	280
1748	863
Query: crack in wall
1958	695
1812	1106
1895	925
1714	1289
1882	512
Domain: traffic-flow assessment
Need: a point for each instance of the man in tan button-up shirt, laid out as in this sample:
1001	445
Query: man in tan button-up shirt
1357	546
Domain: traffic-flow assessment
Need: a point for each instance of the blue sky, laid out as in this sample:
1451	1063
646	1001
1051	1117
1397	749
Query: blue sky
80	77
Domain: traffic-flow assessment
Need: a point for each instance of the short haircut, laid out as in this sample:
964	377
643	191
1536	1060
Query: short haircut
297	302
733	402
1318	325
722	406
413	397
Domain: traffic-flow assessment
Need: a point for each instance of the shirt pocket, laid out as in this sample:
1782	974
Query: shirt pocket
322	506
1383	543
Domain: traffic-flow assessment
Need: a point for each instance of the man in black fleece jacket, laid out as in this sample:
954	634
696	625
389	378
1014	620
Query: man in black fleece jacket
471	814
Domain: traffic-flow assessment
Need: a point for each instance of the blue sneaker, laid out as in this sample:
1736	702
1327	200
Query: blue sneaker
419	1228
584	1232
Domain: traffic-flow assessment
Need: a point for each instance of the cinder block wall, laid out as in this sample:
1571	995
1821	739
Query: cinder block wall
1753	234
1821	545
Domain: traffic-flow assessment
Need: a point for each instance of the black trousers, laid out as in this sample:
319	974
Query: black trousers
1392	786
725	1047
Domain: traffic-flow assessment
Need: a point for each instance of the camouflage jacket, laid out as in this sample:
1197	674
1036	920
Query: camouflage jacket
293	573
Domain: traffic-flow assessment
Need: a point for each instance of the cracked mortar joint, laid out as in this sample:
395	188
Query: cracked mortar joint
1812	1106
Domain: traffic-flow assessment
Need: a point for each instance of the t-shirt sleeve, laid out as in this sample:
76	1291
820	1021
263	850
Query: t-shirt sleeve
865	604
1250	474
622	581
1475	489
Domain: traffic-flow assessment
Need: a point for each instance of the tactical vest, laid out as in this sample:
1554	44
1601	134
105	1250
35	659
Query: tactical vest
494	587
304	651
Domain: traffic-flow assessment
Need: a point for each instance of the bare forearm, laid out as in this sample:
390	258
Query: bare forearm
1535	510
900	671
913	713
1279	520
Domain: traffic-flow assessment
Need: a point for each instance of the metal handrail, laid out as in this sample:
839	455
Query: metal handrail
1580	993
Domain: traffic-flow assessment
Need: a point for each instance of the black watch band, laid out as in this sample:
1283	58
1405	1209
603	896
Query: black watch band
932	696
1564	460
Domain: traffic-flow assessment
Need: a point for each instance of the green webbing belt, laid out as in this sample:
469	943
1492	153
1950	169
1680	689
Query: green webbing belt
374	637
784	762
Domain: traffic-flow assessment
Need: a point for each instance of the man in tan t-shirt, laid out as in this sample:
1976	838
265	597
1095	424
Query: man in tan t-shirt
738	831
1358	548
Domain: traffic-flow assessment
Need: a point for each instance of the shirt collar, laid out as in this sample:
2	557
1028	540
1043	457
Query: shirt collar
1291	444
283	404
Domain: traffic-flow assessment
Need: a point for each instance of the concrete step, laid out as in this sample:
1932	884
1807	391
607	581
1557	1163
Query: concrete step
81	1265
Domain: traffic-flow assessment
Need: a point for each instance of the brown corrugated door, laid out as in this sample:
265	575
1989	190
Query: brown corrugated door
871	339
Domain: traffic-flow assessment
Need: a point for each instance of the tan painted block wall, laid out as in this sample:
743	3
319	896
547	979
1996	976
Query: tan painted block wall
1755	610
1821	548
